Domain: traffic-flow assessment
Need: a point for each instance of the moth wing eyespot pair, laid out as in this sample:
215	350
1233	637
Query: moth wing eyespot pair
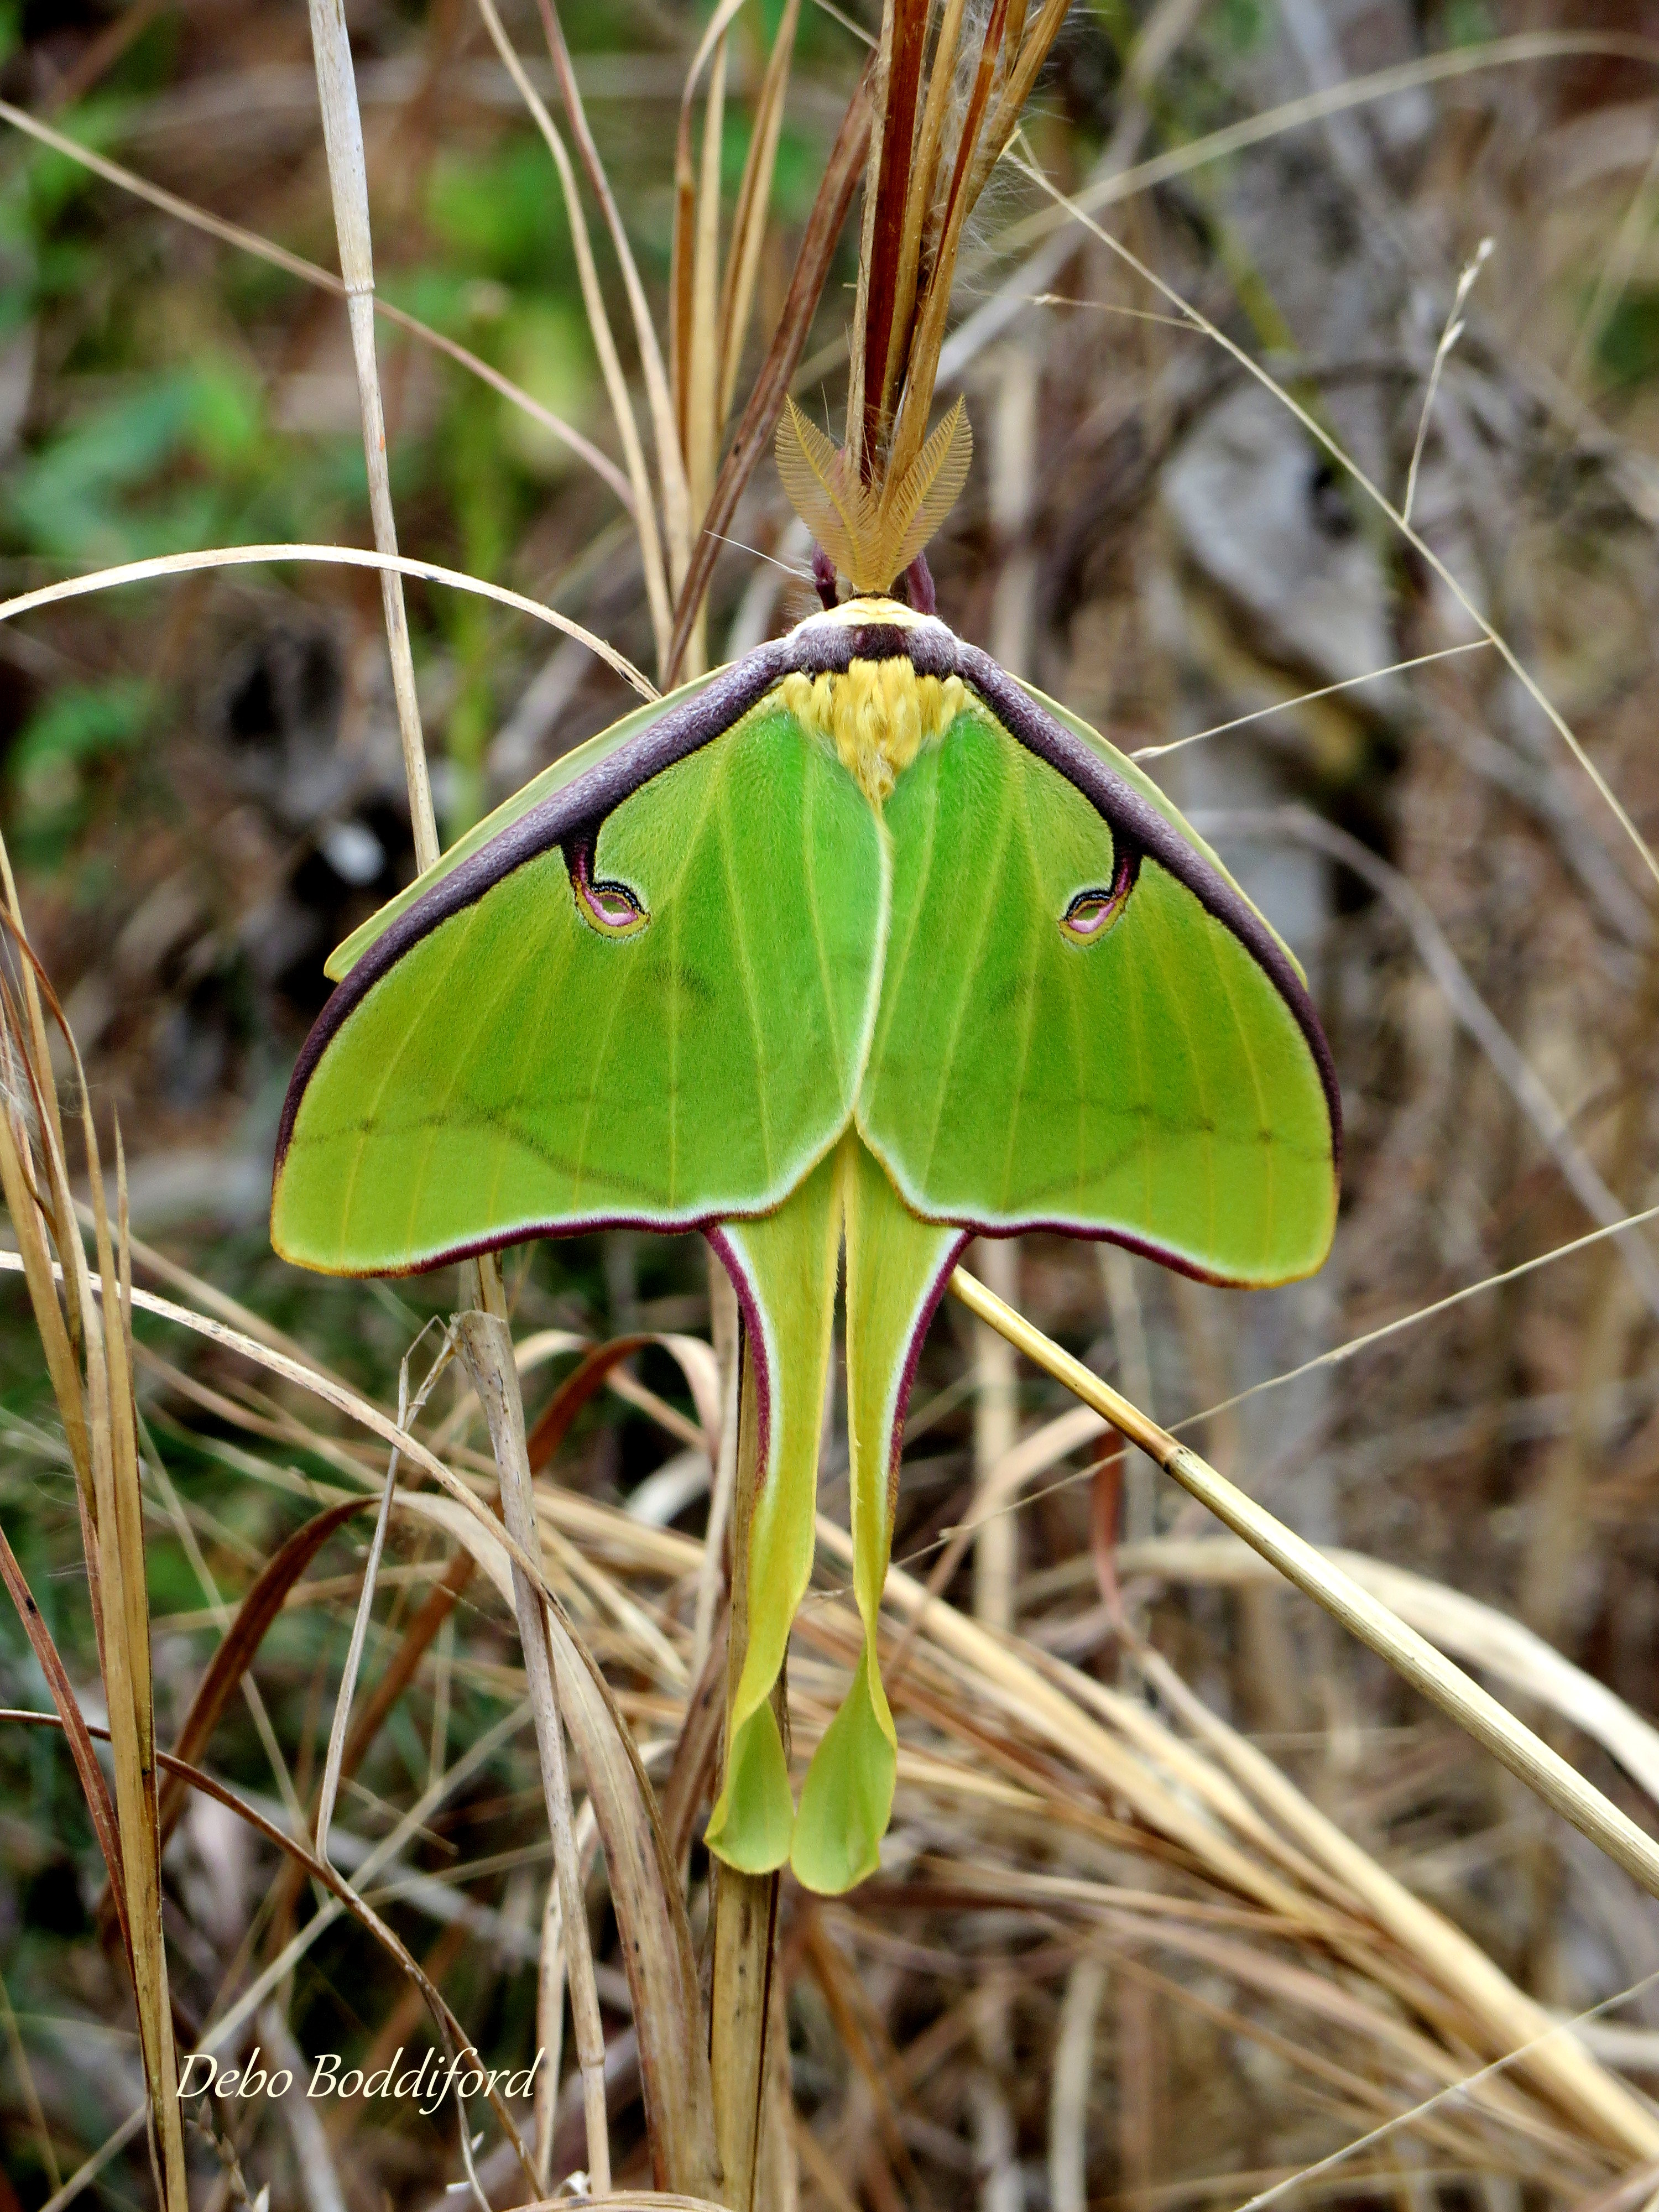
1090	912
612	908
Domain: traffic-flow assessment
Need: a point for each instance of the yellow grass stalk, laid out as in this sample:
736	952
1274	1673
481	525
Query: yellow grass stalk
348	173
87	1343
598	323
1543	1771
749	216
486	1344
669	463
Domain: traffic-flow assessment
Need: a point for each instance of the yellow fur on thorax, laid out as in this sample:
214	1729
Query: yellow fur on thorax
877	715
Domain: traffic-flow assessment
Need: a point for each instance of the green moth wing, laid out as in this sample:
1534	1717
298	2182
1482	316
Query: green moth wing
647	999
1083	1025
579	761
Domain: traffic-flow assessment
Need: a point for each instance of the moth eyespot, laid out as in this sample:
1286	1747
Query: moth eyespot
1092	912
611	908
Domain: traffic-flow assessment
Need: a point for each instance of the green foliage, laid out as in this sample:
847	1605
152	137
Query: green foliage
1627	350
1468	22
55	760
163	467
501	211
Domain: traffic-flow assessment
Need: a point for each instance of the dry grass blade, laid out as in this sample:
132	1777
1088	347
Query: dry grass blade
766	400
183	1774
920	201
748	215
310	273
338	1734
343	556
348	173
682	275
1508	1738
1016	90
1478	1633
702	365
93	1787
1304	1869
235	1651
597	1369
96	1402
491	1365
599	324
641	1869
670	465
933	309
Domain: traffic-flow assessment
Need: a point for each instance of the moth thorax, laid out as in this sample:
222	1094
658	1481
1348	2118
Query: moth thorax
878	714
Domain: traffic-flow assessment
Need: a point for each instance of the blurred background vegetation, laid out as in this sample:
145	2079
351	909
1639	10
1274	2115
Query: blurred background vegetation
201	790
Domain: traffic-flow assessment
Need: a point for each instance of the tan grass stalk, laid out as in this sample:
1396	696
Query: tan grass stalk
677	520
309	272
348	173
753	437
880	88
682	275
892	184
996	1429
703	363
342	556
1070	2078
599	324
486	1343
335	1759
748	215
1478	1633
486	1346
910	426
1543	1771
919	205
94	1391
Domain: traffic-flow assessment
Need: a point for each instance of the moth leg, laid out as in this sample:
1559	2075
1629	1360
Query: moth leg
896	1267
783	1267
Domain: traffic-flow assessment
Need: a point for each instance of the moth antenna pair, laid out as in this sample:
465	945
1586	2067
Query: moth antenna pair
871	533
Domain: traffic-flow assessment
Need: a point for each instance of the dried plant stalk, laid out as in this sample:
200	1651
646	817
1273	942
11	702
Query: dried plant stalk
749	216
1543	1771
599	324
485	1340
487	1348
87	1337
348	172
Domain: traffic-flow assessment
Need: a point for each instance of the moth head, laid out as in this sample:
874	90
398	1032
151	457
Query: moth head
871	532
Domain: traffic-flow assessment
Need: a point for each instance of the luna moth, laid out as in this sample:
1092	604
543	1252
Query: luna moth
854	945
